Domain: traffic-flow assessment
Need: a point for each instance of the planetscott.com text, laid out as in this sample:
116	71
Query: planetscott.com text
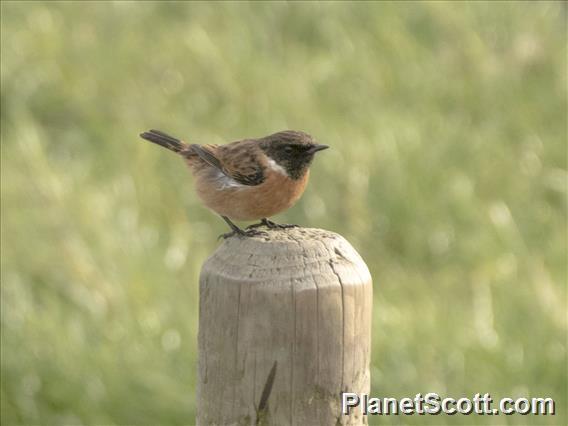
432	403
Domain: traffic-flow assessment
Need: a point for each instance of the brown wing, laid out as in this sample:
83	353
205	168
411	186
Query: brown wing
236	160
207	153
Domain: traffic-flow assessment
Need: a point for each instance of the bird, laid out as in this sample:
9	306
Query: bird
248	179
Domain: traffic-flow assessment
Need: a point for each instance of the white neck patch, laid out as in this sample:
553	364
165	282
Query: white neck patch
273	165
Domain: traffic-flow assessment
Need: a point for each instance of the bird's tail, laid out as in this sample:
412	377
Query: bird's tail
162	139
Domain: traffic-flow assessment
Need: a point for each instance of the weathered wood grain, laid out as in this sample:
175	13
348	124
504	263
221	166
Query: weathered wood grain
284	328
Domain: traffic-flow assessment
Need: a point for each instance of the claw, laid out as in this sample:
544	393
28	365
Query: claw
254	233
241	234
282	225
255	225
271	225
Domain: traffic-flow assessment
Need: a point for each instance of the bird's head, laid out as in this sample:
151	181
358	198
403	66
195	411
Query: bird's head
291	150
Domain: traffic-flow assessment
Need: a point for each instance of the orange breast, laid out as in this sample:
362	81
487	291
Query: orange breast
276	194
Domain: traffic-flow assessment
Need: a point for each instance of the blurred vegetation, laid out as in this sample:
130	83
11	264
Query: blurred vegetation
447	173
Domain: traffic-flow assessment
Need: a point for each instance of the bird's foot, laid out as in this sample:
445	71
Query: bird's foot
243	233
271	225
235	230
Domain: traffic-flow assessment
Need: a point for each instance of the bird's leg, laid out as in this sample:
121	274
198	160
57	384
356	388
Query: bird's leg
271	225
238	231
256	225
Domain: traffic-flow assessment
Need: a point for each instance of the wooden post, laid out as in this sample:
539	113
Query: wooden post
284	329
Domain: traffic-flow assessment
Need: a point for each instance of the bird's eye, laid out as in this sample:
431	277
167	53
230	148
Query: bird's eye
288	149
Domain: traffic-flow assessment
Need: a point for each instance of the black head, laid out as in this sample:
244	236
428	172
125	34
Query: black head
292	150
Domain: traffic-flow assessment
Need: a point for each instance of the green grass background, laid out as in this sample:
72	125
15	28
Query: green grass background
447	172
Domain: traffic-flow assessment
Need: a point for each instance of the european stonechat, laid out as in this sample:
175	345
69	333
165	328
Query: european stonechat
249	179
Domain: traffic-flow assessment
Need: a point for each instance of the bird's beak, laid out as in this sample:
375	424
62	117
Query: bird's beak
317	148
